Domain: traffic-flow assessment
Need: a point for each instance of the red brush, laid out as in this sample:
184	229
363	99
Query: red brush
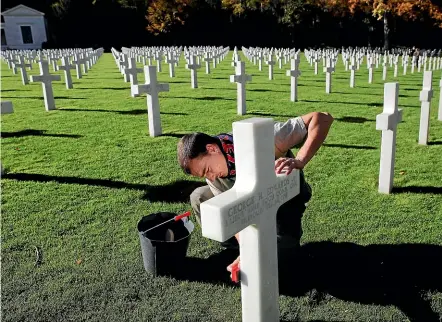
176	218
235	273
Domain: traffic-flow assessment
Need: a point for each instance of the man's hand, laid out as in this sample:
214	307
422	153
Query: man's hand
288	164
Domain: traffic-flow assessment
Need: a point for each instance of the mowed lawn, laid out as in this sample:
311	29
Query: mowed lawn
78	180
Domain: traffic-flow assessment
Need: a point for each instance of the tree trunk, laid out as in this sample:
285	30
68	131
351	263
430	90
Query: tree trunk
386	31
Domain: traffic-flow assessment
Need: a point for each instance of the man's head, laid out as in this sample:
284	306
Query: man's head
200	155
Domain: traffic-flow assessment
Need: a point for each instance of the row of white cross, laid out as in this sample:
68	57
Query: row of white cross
17	60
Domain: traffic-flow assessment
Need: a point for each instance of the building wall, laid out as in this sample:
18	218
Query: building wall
14	38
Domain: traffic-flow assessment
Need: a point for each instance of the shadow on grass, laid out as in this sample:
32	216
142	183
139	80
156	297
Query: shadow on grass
14	90
346	146
417	189
42	98
353	119
173	135
270	114
107	88
398	275
31	132
175	192
129	112
354	103
204	98
435	143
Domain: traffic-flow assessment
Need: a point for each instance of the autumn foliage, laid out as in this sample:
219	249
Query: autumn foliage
163	14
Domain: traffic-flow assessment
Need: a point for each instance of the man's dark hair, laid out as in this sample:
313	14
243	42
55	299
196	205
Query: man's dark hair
191	146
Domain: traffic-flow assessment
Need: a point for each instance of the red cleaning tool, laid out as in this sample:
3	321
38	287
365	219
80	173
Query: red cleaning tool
235	273
176	218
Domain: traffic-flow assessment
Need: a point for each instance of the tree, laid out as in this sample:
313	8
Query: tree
386	10
163	14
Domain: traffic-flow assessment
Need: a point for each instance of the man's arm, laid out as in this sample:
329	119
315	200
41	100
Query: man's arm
318	125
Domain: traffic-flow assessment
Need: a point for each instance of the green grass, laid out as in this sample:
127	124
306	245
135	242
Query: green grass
79	179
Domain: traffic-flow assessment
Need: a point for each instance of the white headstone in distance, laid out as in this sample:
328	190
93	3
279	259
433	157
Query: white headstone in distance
294	73
370	71
207	60
271	63
20	63
193	66
352	73
384	70
387	123
77	63
66	67
395	67
132	71
46	80
425	97
241	78
152	88
328	72
171	61
250	208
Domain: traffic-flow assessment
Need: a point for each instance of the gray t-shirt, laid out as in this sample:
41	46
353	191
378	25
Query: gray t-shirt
287	135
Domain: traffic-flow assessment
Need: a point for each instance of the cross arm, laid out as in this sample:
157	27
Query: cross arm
230	212
388	121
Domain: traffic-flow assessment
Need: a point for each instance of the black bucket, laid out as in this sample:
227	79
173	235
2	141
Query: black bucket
161	253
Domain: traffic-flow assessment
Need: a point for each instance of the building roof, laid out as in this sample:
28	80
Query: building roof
22	10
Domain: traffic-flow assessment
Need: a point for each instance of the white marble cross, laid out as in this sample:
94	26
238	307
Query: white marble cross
370	71
250	208
384	70
328	80
352	73
294	73
66	67
22	65
241	79
159	57
316	60
260	57
387	123
439	117
46	80
395	67
207	60
77	63
271	63
171	61
132	71
152	88
193	66
425	97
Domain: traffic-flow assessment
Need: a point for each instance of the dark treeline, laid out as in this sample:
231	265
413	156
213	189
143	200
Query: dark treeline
107	24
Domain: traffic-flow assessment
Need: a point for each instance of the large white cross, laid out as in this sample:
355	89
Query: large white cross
352	73
152	88
425	97
241	78
370	70
67	71
46	80
294	73
250	208
387	123
193	66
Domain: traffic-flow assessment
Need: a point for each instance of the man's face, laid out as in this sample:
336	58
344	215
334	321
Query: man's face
213	165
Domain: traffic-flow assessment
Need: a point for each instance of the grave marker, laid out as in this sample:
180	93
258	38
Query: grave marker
387	123
152	88
46	80
425	97
250	208
241	79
